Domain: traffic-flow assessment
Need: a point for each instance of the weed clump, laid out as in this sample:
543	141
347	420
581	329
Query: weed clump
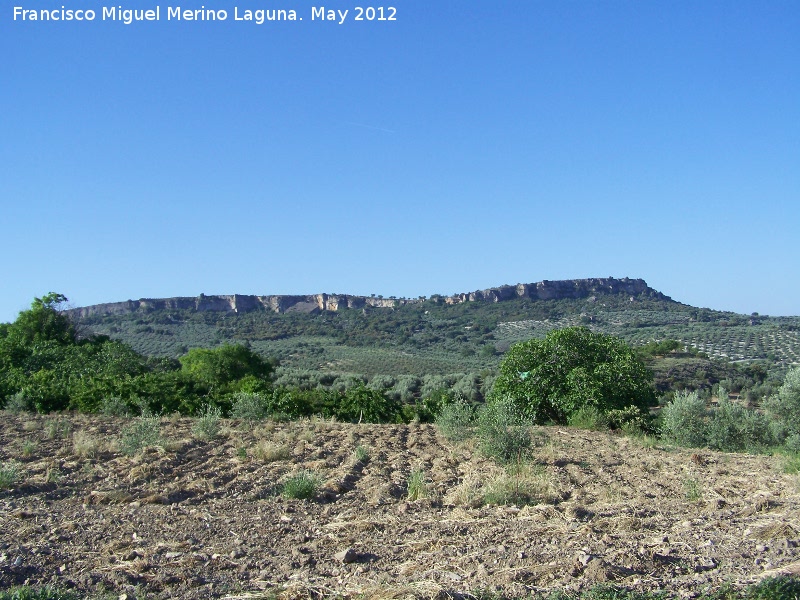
9	474
144	432
416	486
207	426
301	486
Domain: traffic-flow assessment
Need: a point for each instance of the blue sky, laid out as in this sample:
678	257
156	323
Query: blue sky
467	144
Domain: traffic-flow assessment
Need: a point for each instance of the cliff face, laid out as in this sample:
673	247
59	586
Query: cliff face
237	303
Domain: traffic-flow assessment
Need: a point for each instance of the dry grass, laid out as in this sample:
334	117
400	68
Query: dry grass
267	451
86	445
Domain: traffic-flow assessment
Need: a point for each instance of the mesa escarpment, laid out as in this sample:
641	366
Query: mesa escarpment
241	303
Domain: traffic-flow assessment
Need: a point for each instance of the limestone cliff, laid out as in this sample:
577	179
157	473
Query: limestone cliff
238	303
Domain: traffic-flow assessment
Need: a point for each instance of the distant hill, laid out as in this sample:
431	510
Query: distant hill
238	303
323	337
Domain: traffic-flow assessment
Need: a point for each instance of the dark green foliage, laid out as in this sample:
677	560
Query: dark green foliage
551	378
227	369
361	403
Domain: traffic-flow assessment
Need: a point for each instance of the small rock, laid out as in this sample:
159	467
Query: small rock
346	556
18	561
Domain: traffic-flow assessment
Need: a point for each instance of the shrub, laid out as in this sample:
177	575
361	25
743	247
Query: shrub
588	417
734	428
114	406
19	403
456	420
552	378
207	425
784	407
361	455
248	406
504	431
301	486
631	420
683	420
144	432
9	474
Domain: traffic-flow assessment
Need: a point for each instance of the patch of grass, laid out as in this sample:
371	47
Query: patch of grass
86	445
9	474
693	490
266	451
241	453
417	488
207	426
31	593
57	428
28	448
361	455
301	486
791	463
53	475
144	432
520	484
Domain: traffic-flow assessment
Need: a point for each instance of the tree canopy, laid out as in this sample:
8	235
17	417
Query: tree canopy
550	378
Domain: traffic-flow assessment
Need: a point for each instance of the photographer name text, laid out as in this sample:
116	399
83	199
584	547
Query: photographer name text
260	16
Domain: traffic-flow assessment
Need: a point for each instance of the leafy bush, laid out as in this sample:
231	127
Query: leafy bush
504	431
588	417
784	407
734	428
114	406
248	406
19	402
456	420
553	377
370	406
683	421
144	432
207	426
301	486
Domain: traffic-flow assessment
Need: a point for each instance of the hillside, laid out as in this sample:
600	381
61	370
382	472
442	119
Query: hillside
461	336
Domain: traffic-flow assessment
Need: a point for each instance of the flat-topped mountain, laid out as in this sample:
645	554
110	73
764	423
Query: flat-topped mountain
240	303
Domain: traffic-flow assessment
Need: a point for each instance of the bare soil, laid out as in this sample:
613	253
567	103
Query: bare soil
206	519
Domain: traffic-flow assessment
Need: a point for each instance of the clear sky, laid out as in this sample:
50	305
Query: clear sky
465	145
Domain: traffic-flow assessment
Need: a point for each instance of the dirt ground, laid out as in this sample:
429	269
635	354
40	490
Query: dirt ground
206	519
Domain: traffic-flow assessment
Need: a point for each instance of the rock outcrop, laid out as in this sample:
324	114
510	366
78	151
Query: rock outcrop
238	303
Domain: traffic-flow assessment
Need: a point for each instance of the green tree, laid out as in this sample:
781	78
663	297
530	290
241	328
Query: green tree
551	378
229	368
